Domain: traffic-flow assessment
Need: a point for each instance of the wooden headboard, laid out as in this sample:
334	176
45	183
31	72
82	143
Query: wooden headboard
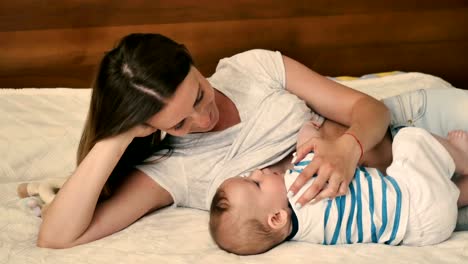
59	43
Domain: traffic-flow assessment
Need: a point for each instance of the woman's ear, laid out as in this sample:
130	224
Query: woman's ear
278	219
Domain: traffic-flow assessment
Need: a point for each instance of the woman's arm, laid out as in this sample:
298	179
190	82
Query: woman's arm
335	160
74	217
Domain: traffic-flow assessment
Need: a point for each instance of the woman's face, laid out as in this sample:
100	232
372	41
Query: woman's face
192	109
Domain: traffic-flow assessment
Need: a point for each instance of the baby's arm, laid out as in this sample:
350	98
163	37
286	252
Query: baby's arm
307	131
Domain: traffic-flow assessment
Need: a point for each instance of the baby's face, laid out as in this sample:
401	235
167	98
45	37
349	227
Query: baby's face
263	187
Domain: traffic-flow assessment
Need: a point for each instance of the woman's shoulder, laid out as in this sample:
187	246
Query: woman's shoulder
253	57
254	53
256	65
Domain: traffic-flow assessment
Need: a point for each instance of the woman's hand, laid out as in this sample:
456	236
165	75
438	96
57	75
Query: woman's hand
333	164
142	130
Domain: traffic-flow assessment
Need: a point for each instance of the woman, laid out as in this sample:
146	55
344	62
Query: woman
248	112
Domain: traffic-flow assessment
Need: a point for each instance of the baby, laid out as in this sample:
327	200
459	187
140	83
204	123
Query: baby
415	205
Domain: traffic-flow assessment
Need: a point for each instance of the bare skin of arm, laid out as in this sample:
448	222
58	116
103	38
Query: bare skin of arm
335	159
380	156
307	131
77	199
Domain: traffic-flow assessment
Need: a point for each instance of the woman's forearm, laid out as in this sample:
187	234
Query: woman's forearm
369	122
366	117
71	212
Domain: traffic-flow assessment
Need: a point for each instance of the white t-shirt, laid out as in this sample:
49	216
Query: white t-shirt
270	120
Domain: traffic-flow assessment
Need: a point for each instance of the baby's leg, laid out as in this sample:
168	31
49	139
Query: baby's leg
459	139
456	144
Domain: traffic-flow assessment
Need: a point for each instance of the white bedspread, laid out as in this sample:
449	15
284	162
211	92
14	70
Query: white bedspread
39	133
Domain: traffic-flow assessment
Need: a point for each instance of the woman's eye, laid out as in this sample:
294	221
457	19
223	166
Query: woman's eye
199	97
257	183
180	125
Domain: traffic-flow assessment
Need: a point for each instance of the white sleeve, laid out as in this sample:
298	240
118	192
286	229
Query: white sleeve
260	63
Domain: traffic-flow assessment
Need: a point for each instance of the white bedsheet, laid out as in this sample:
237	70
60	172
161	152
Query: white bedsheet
39	133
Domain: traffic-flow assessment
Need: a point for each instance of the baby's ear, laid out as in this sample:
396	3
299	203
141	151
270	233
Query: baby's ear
278	219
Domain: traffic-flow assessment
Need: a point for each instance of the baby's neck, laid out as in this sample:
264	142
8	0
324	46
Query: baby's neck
288	228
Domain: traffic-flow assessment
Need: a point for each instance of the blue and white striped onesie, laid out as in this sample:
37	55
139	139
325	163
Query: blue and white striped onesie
378	208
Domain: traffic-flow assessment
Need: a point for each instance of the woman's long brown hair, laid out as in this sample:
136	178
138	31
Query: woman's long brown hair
132	81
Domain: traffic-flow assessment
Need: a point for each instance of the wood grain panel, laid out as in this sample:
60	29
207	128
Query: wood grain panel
67	57
418	57
34	14
333	37
337	61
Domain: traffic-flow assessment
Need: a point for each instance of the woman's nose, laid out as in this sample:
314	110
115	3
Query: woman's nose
202	119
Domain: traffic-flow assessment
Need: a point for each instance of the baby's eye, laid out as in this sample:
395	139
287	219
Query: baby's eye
257	183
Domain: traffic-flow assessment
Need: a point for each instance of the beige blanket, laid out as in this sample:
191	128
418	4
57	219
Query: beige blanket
39	132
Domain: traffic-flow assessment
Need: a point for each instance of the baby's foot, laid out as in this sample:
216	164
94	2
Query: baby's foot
459	139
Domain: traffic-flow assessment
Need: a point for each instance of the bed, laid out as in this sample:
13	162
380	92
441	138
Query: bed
46	56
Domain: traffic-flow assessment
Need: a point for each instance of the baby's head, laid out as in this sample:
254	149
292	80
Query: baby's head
250	215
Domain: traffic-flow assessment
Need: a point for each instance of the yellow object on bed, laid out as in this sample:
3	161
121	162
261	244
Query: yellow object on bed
367	76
